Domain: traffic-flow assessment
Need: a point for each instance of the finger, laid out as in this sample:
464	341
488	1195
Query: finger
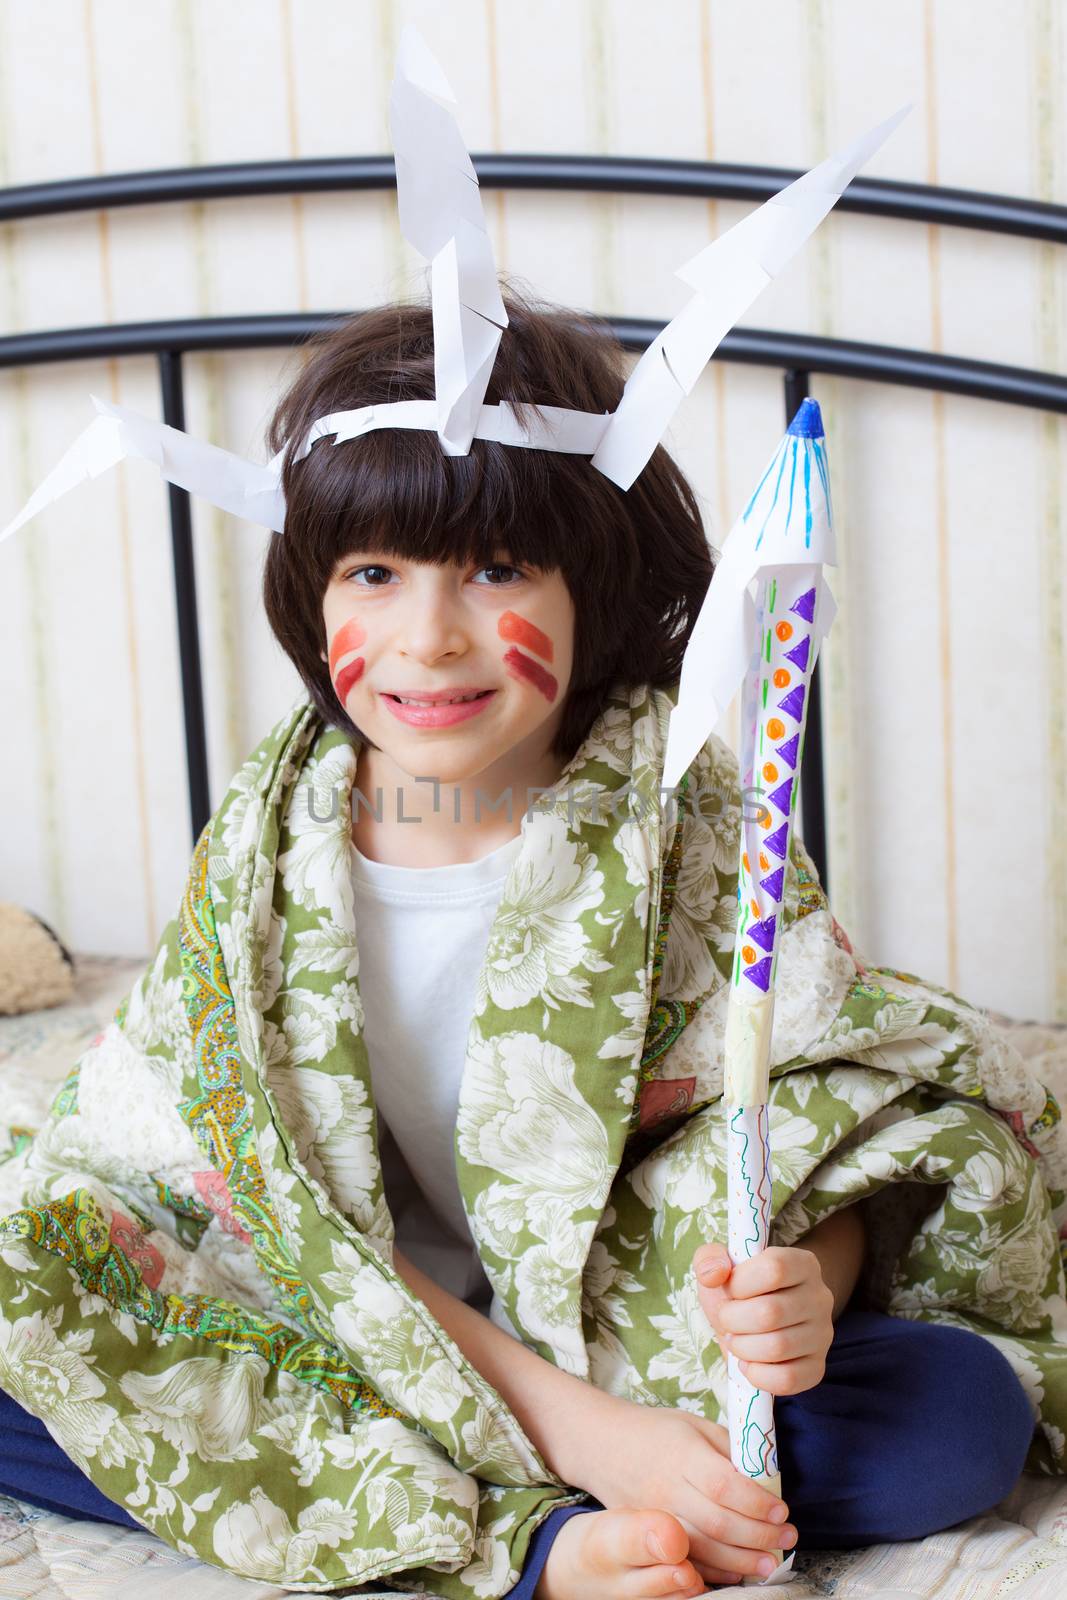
712	1264
784	1344
717	1523
784	1377
732	1558
710	1548
764	1313
739	1493
774	1268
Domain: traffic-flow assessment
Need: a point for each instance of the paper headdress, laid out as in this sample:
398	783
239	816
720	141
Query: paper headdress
441	216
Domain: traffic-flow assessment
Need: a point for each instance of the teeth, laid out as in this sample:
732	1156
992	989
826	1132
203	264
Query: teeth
462	700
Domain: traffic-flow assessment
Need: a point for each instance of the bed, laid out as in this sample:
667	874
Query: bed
1019	1550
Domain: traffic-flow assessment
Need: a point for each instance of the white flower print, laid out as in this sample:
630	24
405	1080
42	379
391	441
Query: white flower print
326	948
521	1113
309	1025
203	1406
898	1040
604	1282
688	1343
703	919
329	1117
633	1003
549	1292
317	869
794	1145
156	1020
294	1432
256	1539
241	820
717	799
537	945
611	739
632	843
53	1378
985	1182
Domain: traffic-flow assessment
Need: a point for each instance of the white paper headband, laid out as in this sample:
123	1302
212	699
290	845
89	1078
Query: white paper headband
441	216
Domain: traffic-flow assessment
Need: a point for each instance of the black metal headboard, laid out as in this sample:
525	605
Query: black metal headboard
796	356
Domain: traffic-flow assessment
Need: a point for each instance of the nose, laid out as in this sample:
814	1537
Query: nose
433	624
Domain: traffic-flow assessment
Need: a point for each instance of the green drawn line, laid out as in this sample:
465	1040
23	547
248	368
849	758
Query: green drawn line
746	1180
756	1463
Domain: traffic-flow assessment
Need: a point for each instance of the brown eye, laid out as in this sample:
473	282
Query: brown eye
501	567
356	570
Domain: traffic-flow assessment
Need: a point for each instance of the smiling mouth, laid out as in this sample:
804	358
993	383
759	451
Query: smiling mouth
437	699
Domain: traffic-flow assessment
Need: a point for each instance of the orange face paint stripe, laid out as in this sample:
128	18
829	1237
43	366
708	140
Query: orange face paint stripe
348	675
349	636
532	672
512	626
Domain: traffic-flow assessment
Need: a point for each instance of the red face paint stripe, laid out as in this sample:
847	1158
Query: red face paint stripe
512	626
532	672
349	636
347	676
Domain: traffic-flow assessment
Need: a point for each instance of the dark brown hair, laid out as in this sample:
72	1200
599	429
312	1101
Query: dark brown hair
636	562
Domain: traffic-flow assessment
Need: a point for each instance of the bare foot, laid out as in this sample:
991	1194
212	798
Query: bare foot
603	1555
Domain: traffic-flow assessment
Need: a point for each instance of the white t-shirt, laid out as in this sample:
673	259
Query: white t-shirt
422	934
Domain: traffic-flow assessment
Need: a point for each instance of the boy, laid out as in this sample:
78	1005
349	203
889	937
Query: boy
561	547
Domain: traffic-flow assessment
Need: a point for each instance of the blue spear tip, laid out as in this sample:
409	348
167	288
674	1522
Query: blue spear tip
807	424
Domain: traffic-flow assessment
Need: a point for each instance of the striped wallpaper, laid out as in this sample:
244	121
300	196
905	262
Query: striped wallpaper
946	673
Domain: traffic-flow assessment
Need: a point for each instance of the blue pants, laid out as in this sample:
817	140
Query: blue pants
891	1445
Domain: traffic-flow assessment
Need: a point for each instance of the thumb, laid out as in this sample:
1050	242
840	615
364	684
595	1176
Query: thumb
712	1267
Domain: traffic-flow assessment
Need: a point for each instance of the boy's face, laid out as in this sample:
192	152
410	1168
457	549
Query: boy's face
400	627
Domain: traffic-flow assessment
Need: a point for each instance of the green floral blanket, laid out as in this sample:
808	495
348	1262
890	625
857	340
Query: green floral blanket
196	1284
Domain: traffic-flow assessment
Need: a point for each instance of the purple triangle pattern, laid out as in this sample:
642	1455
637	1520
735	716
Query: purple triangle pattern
762	932
788	751
782	797
760	973
776	842
805	605
773	884
793	703
799	653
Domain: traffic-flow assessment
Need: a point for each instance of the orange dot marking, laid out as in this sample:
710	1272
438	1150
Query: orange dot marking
349	636
770	771
784	630
755	908
766	820
764	863
533	672
744	858
512	626
775	728
748	955
781	678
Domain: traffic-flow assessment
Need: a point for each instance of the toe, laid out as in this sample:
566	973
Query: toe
621	1538
679	1582
658	1538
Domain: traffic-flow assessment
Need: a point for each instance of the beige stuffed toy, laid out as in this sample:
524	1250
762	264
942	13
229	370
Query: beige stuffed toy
36	969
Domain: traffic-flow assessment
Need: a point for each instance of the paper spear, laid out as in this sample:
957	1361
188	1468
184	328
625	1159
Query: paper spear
786	530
